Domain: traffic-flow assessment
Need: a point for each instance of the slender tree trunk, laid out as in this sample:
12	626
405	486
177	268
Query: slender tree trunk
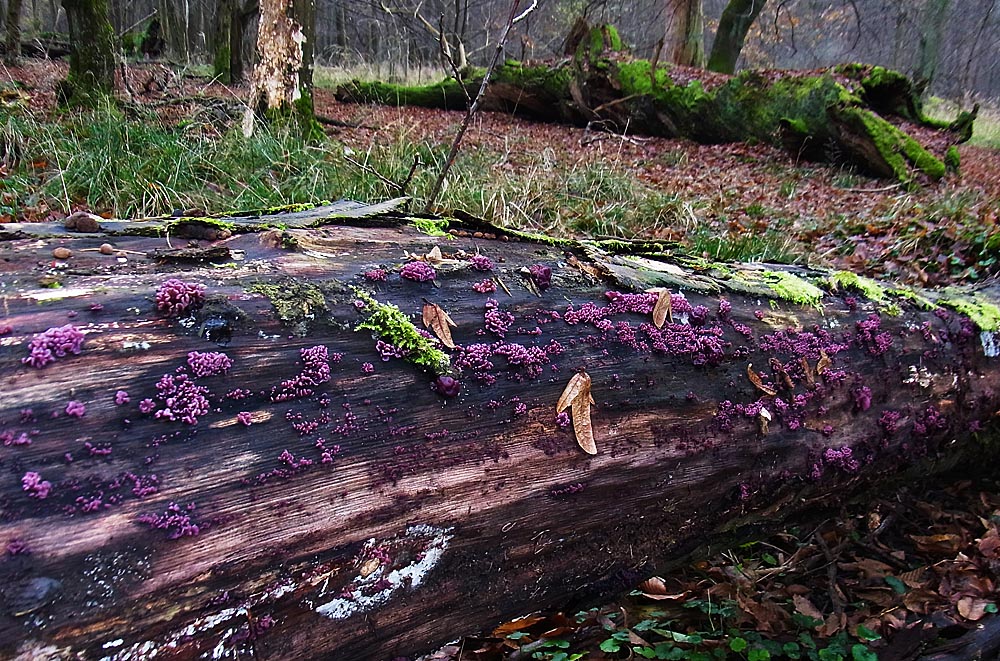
92	62
281	85
13	45
222	41
734	24
684	38
931	30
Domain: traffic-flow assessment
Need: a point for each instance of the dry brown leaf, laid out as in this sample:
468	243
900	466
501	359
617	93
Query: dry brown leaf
947	545
806	607
662	311
808	371
579	384
779	369
755	379
504	630
434	257
370	566
972	608
582	427
438	321
824	362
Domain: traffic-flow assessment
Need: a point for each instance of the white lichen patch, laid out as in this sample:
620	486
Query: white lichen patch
58	294
359	599
920	377
990	346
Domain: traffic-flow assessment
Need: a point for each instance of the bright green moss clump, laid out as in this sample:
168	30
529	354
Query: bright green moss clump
869	288
389	324
983	314
793	288
431	226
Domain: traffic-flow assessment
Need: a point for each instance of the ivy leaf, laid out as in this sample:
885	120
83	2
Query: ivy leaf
662	311
755	379
438	321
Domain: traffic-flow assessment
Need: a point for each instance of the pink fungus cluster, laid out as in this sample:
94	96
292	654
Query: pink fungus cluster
181	398
389	351
75	409
868	334
531	360
315	371
54	343
245	418
176	521
367	368
9	438
481	263
862	397
486	286
376	275
35	486
497	321
176	297
562	420
208	363
418	271
121	398
842	458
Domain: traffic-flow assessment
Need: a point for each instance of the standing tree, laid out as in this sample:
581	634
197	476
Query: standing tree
683	40
13	45
734	24
232	22
281	85
931	32
92	61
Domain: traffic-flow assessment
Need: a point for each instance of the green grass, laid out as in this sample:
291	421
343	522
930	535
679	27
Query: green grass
985	130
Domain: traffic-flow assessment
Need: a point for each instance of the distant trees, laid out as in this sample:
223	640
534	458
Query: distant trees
734	24
684	37
233	21
12	45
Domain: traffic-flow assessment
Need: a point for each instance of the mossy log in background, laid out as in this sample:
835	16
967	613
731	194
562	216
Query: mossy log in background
270	465
857	114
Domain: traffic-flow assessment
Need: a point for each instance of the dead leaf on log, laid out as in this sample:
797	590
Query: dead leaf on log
579	384
582	427
824	362
656	588
973	608
438	321
662	311
808	371
755	379
513	626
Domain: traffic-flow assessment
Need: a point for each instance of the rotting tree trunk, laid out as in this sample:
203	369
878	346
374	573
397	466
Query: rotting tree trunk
92	63
735	22
842	115
326	502
281	84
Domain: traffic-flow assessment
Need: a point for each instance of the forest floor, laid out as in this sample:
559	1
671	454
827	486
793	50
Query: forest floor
919	565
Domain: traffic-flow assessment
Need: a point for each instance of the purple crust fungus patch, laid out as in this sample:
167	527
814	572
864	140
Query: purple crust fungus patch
55	343
176	297
36	487
481	263
176	521
376	275
541	275
75	409
418	271
208	363
447	386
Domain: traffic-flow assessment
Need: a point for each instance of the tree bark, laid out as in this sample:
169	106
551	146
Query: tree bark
281	85
12	46
250	470
222	41
734	24
931	32
685	33
92	62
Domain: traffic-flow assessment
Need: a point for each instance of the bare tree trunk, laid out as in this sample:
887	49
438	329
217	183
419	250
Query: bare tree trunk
935	12
684	37
12	47
734	24
281	85
260	460
222	40
92	62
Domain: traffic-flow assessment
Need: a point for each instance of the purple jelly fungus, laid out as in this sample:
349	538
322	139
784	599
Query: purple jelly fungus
208	363
176	521
176	297
76	409
447	386
245	418
35	486
862	397
481	263
121	398
376	275
367	368
54	343
418	271
541	275
487	286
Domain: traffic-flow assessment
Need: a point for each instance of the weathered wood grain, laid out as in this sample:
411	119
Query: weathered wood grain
436	516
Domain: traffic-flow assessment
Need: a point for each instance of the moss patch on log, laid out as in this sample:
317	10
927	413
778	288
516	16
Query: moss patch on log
389	324
297	304
985	315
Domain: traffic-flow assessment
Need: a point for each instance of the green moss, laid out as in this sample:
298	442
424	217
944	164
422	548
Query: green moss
389	324
297	304
431	226
600	39
872	290
446	94
952	159
792	288
985	315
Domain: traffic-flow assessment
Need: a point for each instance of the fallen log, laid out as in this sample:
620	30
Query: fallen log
860	115
231	434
